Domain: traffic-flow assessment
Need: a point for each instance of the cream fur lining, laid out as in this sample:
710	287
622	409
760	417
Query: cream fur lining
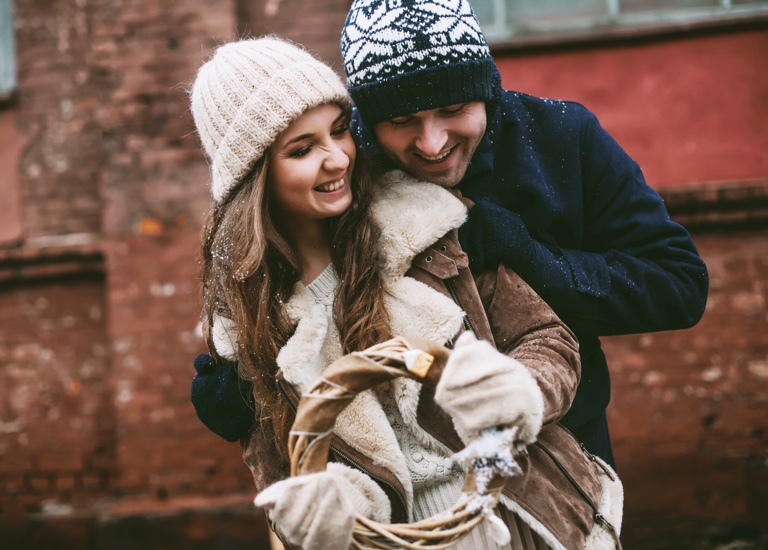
611	506
417	310
224	337
412	215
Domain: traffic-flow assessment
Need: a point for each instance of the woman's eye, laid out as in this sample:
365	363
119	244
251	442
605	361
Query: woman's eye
298	153
339	130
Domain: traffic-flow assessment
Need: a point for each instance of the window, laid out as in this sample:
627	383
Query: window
525	19
10	204
7	52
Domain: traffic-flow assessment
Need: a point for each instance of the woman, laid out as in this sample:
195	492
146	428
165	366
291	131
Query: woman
305	260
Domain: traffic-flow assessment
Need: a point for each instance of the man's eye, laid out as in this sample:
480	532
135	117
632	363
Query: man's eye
400	120
453	109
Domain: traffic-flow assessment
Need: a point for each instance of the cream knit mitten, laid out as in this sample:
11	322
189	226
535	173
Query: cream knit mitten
313	511
482	388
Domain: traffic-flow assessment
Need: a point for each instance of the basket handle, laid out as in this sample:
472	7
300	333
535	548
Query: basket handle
310	436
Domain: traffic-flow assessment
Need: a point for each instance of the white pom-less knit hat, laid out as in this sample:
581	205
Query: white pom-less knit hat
247	94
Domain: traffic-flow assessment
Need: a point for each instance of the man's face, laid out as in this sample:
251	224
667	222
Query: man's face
434	145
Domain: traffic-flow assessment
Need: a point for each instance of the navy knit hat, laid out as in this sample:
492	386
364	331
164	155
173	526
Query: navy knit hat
406	56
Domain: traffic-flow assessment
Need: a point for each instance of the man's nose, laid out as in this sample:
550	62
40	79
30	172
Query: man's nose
432	138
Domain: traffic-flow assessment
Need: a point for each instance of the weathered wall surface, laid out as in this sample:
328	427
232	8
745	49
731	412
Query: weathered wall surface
688	109
99	445
98	305
688	415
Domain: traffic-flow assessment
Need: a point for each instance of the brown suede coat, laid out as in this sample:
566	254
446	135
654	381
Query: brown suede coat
560	490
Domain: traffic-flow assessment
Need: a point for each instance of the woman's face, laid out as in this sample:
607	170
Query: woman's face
311	165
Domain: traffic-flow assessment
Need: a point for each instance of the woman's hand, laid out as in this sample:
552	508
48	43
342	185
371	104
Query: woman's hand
313	511
482	388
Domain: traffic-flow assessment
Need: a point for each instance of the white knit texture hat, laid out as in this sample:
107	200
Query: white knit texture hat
247	94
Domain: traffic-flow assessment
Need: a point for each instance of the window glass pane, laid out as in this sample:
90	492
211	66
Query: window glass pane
630	6
485	12
506	18
7	50
522	12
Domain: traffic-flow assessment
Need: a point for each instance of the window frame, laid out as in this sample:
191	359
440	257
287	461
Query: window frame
8	78
618	26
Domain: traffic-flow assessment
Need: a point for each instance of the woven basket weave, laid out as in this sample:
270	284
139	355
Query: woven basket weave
310	440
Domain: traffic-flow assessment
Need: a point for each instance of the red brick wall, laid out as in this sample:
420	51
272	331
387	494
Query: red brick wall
97	331
688	415
56	441
688	109
62	151
97	425
314	23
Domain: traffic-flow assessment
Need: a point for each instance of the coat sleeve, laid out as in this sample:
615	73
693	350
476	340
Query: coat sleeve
638	271
525	328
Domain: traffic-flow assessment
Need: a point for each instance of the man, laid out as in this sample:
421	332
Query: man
555	197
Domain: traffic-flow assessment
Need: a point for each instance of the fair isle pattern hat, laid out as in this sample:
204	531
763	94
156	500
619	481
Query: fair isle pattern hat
247	94
405	56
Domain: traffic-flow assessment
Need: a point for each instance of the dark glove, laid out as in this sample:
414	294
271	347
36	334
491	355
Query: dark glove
223	401
493	235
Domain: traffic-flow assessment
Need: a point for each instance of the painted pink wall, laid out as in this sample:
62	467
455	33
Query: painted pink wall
689	110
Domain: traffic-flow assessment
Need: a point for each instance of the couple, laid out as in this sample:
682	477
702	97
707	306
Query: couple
311	252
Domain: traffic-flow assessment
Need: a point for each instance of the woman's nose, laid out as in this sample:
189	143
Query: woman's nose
336	159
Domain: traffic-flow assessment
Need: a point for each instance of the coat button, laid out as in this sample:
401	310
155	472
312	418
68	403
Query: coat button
428	258
443	248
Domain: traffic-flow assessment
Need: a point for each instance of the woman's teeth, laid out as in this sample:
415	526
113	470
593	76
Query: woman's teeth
328	187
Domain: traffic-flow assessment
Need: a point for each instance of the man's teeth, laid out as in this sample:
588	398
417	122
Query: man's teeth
328	187
436	158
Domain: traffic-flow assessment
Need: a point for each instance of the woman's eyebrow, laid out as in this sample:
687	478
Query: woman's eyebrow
309	135
298	138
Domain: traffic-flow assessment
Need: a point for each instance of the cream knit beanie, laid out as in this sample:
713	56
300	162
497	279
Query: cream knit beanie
247	94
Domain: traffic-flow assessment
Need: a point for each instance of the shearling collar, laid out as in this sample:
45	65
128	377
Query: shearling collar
412	215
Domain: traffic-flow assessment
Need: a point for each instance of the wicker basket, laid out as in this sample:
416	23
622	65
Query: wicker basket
310	440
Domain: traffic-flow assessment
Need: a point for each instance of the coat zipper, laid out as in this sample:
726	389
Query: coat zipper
346	457
598	517
591	457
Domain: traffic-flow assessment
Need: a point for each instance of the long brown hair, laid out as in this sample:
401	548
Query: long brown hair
249	271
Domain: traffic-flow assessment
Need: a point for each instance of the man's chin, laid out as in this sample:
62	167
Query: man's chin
448	180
